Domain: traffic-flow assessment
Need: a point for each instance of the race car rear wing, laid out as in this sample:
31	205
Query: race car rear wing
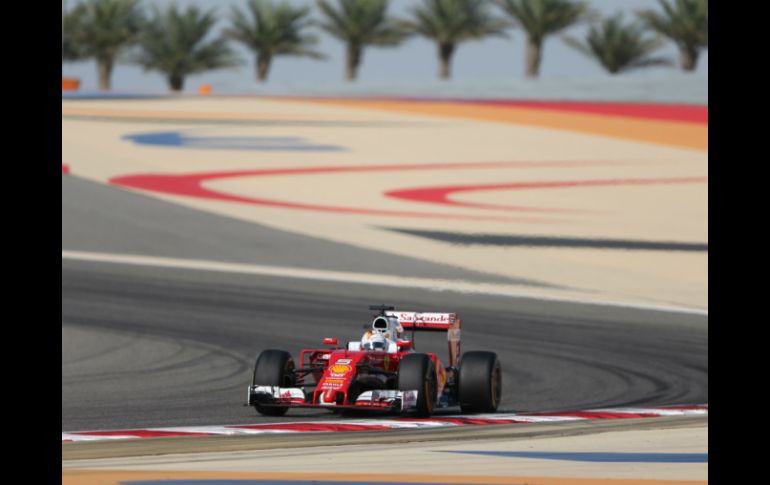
440	322
426	321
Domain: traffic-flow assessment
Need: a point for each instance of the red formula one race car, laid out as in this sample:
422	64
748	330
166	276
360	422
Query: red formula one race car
381	372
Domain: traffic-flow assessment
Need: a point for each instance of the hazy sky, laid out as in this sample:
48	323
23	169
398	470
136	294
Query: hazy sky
493	59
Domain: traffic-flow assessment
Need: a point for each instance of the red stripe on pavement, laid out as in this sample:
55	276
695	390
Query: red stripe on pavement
685	113
391	424
192	185
440	195
664	112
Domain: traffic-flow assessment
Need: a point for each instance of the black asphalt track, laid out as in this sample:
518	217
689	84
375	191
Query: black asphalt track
151	347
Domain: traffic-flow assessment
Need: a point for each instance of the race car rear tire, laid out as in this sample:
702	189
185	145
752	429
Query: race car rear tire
273	368
479	382
417	371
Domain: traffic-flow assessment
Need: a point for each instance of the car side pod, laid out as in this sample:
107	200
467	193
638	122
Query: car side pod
404	345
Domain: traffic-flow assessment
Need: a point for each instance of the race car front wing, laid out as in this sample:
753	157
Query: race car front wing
375	400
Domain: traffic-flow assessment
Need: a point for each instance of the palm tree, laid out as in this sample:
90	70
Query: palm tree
359	23
270	30
541	18
101	29
619	47
450	22
174	43
70	50
686	22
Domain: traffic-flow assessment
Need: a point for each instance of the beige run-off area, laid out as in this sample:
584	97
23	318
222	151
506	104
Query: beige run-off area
385	167
544	460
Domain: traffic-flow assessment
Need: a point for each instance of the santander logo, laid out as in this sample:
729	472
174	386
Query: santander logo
426	317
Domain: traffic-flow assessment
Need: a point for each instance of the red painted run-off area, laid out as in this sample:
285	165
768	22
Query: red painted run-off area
687	113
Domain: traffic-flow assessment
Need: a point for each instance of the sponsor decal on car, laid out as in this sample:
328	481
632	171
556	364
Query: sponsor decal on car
426	317
340	369
408	400
332	383
329	396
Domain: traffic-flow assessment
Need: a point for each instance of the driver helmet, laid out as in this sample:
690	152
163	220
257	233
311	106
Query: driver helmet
373	340
388	327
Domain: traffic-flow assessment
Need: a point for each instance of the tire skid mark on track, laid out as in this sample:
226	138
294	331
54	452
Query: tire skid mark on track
551	362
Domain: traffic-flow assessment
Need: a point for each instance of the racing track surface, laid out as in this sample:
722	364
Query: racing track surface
145	347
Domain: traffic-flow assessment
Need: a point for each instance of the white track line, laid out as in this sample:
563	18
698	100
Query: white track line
458	286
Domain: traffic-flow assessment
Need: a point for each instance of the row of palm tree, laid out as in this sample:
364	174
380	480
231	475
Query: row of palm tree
175	42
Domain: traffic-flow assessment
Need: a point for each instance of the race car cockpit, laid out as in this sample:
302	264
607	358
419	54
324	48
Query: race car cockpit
383	336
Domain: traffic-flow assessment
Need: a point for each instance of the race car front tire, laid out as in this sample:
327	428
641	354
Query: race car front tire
479	382
273	368
418	372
